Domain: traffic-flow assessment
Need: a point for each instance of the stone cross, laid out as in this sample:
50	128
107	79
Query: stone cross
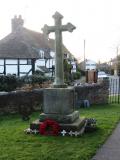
58	29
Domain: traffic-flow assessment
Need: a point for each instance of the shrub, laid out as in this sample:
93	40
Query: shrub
11	82
8	82
76	75
34	79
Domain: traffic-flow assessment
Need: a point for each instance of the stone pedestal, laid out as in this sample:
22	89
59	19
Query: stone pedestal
59	106
58	101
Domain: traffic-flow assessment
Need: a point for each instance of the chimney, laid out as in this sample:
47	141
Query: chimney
17	22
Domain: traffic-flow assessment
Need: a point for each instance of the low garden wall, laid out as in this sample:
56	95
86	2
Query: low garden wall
94	93
19	101
28	101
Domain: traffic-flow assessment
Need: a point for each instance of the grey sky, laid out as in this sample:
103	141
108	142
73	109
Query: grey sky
97	21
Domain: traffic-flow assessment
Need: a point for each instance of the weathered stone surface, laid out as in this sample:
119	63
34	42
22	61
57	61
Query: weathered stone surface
95	93
11	102
75	126
59	101
59	105
58	29
61	118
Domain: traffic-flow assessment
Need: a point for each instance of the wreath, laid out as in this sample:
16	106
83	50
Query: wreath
49	127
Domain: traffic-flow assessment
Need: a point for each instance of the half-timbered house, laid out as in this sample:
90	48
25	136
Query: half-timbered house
23	51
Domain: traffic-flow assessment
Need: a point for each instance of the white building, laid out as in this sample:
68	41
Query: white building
90	65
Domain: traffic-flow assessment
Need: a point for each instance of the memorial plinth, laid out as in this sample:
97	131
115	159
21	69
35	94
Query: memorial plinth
59	101
59	105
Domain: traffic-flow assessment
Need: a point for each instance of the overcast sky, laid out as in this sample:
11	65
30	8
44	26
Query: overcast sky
96	21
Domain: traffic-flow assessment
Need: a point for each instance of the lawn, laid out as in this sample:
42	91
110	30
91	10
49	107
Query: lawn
16	145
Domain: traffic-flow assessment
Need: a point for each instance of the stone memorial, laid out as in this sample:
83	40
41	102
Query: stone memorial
59	100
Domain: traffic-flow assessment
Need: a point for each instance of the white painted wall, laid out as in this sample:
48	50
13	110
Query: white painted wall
90	65
1	62
1	69
39	62
12	69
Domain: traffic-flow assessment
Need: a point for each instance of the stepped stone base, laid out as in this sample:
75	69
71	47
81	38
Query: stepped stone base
59	106
69	118
75	126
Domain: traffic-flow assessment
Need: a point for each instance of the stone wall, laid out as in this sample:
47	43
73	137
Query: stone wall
14	102
95	93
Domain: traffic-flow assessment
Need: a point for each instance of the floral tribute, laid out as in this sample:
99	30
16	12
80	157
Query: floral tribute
49	127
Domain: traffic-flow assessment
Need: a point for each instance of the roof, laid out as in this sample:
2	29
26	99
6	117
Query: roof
23	43
88	61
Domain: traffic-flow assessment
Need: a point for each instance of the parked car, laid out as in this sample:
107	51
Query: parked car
102	74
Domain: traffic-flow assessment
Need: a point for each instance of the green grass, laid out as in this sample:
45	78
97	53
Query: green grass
114	98
16	145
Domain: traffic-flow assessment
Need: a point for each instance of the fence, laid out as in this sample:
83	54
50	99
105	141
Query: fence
114	90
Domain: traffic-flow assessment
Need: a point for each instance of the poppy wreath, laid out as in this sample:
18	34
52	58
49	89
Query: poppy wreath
49	127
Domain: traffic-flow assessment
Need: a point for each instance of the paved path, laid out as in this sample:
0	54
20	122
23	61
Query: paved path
111	149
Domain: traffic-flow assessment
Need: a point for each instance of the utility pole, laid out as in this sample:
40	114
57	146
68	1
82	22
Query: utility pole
84	56
116	63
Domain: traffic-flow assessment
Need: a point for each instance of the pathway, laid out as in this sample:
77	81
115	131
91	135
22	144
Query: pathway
111	149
